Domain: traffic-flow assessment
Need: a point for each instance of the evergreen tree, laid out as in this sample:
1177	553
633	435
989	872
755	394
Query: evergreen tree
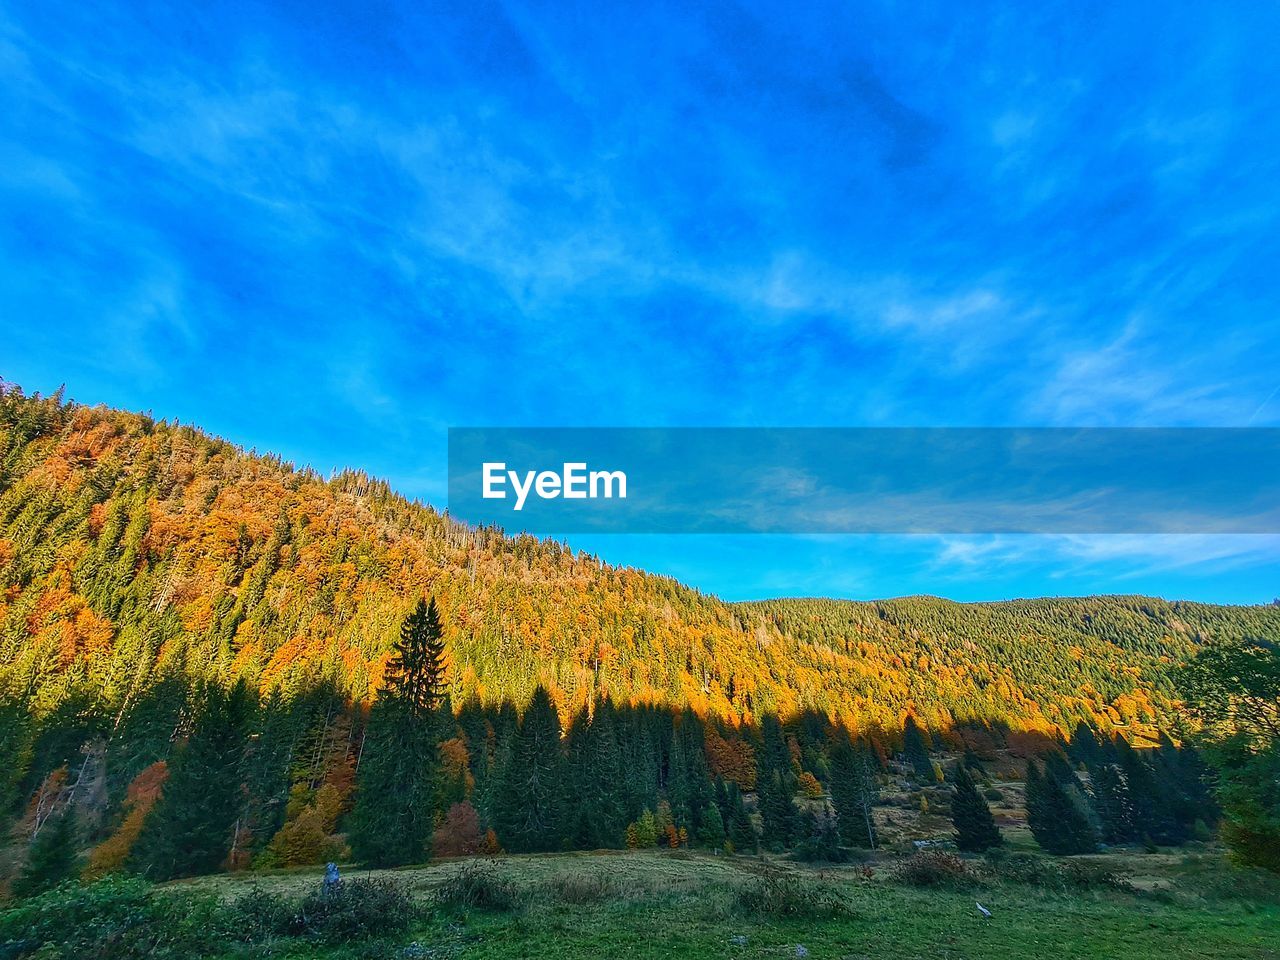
775	785
51	858
777	812
976	828
819	838
596	803
395	786
742	833
854	792
712	833
529	803
1111	802
1150	798
1058	821
916	749
191	828
415	674
398	786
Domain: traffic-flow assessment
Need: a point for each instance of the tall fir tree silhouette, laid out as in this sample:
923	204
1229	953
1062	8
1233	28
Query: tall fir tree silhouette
976	828
416	673
396	782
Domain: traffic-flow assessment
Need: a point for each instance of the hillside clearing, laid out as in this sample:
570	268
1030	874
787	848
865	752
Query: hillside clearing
659	904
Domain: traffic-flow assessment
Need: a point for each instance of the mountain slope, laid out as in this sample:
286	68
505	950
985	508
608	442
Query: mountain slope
131	549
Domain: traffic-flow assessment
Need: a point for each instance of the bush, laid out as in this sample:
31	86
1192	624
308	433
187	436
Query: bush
933	868
477	885
1092	875
118	917
992	794
778	893
579	888
1057	875
262	915
361	909
1025	868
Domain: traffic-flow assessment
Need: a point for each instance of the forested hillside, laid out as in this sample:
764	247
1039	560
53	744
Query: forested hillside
132	550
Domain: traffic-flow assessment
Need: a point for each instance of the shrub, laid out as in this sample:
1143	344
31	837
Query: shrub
1092	875
579	888
459	835
361	909
992	794
1025	868
262	915
118	917
779	893
477	885
933	868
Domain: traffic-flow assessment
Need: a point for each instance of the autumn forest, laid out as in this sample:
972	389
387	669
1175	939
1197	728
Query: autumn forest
216	661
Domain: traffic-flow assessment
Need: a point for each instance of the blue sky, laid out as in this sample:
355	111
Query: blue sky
334	230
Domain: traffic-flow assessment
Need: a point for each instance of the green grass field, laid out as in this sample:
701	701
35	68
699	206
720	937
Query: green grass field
665	904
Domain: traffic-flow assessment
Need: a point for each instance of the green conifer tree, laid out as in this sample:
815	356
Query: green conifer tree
397	782
1057	819
712	833
854	792
528	810
394	811
416	673
916	749
51	858
976	828
191	828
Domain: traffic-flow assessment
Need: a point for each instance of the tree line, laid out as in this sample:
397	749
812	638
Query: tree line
215	778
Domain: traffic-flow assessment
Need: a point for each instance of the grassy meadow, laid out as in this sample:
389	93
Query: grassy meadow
663	904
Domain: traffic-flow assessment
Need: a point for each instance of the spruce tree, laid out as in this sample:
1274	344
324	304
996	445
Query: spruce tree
916	749
1058	821
742	833
1151	798
397	782
1111	802
190	829
596	805
416	673
712	833
395	786
854	792
51	858
976	828
529	803
777	812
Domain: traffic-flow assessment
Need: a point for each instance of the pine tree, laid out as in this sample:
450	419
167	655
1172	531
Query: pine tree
398	781
416	672
775	785
1058	821
777	812
916	749
1111	802
395	786
712	833
976	828
596	804
742	833
854	792
529	803
190	829
1150	798
51	858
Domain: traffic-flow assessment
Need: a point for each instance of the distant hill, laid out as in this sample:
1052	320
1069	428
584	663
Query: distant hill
132	549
